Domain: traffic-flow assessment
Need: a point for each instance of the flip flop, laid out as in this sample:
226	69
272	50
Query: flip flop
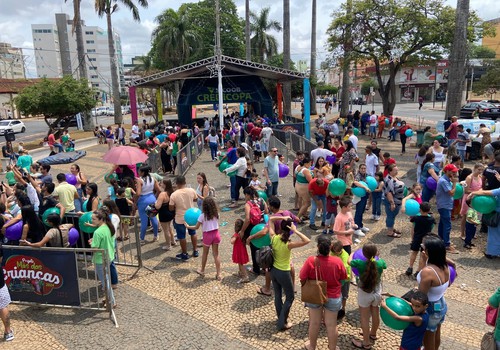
372	337
394	235
202	274
261	292
359	344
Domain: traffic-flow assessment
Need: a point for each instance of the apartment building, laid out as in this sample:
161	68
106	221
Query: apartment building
11	62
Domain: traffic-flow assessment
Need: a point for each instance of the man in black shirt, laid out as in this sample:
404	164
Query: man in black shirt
491	174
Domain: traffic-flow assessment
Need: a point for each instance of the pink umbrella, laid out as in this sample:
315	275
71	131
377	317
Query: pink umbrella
124	155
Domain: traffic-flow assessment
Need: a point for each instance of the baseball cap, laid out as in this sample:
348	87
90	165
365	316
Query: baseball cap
451	167
245	146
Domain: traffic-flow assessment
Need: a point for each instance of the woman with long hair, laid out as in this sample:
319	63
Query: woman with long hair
213	142
369	293
473	182
332	271
303	177
429	169
438	152
92	201
166	155
203	189
434	280
33	229
393	199
419	159
339	150
485	140
146	187
165	215
57	236
103	239
349	157
81	182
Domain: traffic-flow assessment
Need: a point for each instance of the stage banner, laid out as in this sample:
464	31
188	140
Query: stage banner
41	276
296	128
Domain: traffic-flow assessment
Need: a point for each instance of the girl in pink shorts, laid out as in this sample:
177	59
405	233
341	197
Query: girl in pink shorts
209	222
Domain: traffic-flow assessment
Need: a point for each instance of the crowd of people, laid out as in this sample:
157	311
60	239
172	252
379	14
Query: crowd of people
162	205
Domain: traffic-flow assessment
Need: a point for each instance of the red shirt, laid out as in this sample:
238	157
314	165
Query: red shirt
51	139
403	129
172	137
331	269
255	133
388	162
316	189
338	152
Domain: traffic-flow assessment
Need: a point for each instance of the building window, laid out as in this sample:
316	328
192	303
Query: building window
90	41
94	77
91	50
92	68
95	85
92	59
89	33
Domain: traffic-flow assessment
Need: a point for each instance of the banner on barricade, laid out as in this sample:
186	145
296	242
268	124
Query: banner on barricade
44	277
296	128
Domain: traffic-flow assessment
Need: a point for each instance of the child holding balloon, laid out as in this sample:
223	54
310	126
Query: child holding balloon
413	334
369	293
209	222
415	193
422	225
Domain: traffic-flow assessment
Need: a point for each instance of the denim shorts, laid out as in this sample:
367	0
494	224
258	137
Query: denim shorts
333	305
180	230
436	317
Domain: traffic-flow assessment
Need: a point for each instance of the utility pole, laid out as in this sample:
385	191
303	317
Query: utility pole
346	63
218	52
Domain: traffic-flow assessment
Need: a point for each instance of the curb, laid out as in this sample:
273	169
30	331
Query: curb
42	152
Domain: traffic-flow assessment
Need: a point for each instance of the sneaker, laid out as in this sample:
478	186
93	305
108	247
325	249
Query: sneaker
196	254
357	241
182	256
330	232
467	246
318	215
325	232
359	233
374	217
365	229
377	218
9	336
409	271
313	227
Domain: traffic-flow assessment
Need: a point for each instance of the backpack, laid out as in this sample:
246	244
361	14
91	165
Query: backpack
265	257
255	213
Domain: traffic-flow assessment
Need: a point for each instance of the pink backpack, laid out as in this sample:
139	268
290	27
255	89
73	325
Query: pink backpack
255	213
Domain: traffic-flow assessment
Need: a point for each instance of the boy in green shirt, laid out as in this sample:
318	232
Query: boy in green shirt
337	250
471	221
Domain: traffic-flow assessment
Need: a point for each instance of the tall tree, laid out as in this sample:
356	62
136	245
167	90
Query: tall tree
264	45
287	89
107	8
312	74
248	47
346	63
489	83
390	33
80	51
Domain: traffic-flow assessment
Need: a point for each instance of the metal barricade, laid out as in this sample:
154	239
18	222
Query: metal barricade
31	282
299	143
188	154
282	149
128	251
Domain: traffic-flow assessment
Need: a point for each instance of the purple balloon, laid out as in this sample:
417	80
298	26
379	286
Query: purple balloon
331	159
453	274
283	170
431	183
14	232
358	255
73	236
71	179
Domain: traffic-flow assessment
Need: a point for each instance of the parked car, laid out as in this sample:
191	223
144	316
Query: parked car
13	125
486	110
126	110
110	111
495	102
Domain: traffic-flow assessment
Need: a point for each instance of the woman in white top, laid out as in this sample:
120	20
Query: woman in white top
437	150
213	143
202	190
145	188
240	167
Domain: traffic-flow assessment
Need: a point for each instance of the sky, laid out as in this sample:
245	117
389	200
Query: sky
16	17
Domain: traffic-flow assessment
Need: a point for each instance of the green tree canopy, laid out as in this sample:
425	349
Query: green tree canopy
56	100
489	82
394	32
367	85
479	51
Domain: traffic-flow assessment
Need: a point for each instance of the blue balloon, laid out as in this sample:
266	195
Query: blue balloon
409	133
372	183
266	218
412	207
147	133
191	216
359	191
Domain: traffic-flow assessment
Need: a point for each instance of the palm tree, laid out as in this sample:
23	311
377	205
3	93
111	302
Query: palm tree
108	7
287	89
247	31
312	74
80	51
263	44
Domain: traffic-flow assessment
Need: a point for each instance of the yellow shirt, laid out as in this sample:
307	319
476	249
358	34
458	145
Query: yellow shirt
66	194
281	254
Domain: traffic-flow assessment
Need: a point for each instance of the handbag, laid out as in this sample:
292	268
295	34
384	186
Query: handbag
488	342
491	219
314	291
491	315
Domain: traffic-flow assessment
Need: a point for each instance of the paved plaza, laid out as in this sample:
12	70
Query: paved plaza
174	308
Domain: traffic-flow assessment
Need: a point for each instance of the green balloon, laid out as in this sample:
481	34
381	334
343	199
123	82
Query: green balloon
405	191
49	211
459	192
399	306
356	131
233	173
262	241
337	187
223	166
484	204
262	194
87	217
109	176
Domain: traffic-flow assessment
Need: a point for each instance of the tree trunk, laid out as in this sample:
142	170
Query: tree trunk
346	65
114	72
287	88
88	122
247	31
456	79
312	75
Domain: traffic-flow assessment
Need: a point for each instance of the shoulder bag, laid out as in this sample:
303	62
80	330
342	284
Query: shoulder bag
314	291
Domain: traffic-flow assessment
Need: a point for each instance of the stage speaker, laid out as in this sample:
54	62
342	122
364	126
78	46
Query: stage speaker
10	136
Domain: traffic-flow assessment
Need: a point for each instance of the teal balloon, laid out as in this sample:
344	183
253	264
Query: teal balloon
49	211
87	217
459	192
484	204
405	191
84	205
387	121
409	133
263	195
337	187
266	218
191	216
399	306
233	173
262	241
223	166
412	207
359	191
356	131
372	183
147	133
